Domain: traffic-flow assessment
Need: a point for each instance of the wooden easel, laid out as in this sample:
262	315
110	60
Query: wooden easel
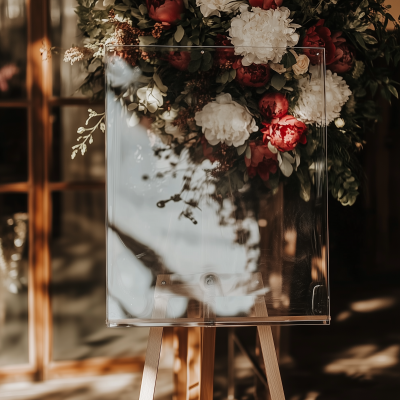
207	349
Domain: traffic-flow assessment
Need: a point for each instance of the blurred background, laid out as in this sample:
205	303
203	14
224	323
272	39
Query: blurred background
53	340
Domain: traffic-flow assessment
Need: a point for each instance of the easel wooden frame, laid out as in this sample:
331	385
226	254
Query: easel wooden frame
207	351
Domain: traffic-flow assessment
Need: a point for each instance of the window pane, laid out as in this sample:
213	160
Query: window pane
65	34
91	166
13	279
78	282
13	45
13	145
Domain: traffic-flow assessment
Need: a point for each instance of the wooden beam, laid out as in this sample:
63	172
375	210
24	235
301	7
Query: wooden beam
17	373
95	366
63	186
74	101
39	90
14	103
19	187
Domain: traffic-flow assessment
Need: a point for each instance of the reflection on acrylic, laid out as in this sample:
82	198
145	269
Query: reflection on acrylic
205	190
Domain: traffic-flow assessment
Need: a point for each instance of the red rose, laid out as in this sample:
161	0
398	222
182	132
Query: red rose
179	59
207	149
165	10
343	64
285	133
254	75
224	56
266	4
320	36
273	105
262	161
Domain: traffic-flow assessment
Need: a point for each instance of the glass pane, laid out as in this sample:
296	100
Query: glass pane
78	282
14	145
13	279
65	34
13	45
217	189
91	166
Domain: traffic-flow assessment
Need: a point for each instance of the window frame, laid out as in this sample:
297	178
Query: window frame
38	103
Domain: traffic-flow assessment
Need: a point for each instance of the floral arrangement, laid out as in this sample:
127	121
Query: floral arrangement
251	105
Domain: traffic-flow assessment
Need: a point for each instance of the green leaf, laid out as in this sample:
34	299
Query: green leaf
288	60
143	9
194	65
136	13
224	77
210	42
179	33
396	59
393	90
386	93
369	39
195	55
146	40
360	40
374	87
207	57
241	149
159	83
278	81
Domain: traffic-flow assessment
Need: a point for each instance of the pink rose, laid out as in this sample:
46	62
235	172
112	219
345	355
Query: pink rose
285	133
254	75
273	105
266	4
262	161
179	59
320	36
346	59
165	10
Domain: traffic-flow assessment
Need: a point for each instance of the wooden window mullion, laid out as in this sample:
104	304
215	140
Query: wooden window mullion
39	93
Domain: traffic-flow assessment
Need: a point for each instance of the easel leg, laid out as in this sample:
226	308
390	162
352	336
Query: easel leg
151	364
269	354
207	363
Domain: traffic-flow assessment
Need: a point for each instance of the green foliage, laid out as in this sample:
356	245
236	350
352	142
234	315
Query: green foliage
363	24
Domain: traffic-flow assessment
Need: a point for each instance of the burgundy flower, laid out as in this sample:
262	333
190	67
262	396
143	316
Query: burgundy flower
320	36
346	58
266	4
254	75
224	56
285	133
165	10
262	161
179	59
273	105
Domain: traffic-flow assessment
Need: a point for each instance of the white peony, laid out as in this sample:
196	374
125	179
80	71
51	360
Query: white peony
213	7
226	121
150	98
310	107
267	32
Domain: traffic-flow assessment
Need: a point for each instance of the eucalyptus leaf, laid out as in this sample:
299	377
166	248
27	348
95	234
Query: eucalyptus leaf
393	90
146	40
278	81
179	33
194	65
207	57
143	9
369	39
241	149
195	55
159	83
